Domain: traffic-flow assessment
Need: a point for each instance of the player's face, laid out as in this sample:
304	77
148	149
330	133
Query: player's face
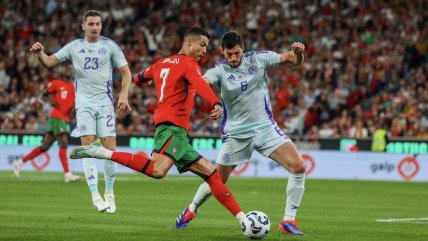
233	56
198	47
92	27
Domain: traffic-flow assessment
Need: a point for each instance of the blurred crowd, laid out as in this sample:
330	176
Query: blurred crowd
366	62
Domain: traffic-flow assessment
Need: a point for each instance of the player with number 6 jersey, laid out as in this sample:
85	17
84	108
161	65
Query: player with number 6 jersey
248	123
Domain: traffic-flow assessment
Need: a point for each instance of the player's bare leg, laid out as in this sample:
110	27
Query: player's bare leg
91	175
288	156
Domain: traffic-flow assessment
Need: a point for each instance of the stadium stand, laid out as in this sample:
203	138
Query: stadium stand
364	68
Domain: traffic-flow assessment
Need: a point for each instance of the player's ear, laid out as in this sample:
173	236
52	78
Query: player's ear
189	42
83	26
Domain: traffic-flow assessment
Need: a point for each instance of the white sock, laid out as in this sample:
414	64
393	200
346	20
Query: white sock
103	153
91	174
295	190
242	219
201	196
109	174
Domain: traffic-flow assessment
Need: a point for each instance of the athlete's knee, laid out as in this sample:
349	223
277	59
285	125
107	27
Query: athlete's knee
297	166
159	173
63	145
45	147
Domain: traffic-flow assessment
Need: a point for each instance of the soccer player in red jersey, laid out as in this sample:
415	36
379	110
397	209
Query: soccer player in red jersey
60	94
177	80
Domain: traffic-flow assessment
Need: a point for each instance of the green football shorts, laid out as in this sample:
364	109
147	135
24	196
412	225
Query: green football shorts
57	126
172	141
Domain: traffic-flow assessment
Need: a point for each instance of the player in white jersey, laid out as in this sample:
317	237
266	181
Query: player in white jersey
93	59
248	123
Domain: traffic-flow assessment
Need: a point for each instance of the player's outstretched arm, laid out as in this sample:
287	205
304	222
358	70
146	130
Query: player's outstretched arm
295	56
122	104
45	60
193	75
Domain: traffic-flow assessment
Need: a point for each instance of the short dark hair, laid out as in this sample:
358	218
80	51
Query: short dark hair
196	32
90	13
231	39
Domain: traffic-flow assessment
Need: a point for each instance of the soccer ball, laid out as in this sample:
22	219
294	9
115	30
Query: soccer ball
260	225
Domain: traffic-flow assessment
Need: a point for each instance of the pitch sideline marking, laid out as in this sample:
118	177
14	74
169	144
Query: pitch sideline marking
403	220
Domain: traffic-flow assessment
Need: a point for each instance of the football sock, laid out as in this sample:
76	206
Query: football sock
109	173
241	218
222	193
139	163
201	196
103	153
295	190
35	152
91	174
63	158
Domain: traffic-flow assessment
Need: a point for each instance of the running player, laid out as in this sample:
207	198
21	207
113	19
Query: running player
248	123
60	93
93	58
177	80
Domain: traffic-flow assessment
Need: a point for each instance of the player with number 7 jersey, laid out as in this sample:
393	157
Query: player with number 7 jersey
177	80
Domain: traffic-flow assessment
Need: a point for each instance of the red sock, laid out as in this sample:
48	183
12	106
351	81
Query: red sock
136	162
63	158
222	193
35	152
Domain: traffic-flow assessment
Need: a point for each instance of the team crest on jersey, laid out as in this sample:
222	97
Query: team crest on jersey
252	70
102	51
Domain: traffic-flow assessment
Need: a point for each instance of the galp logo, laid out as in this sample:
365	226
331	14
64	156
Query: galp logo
41	162
378	167
408	168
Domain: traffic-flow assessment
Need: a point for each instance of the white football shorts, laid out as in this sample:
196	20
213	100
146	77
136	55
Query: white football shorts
95	121
237	149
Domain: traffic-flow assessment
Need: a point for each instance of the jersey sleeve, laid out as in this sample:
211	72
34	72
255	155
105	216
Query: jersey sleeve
64	53
213	75
268	58
117	56
51	86
193	75
149	73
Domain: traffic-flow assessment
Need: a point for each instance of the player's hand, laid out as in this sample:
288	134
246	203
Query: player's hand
141	84
122	104
216	112
298	47
37	47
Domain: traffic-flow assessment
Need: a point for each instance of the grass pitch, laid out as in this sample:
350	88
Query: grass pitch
40	206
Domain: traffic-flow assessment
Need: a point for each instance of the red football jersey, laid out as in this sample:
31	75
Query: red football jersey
64	98
177	80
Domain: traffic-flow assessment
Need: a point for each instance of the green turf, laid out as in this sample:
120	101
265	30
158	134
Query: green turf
40	206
